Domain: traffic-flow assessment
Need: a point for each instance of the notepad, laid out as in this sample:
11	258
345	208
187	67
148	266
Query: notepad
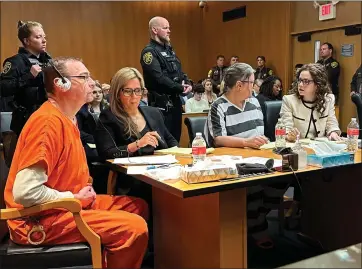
163	159
181	151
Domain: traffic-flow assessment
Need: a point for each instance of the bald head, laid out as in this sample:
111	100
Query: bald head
159	29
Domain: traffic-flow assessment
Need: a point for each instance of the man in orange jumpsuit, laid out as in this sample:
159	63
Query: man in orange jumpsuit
49	164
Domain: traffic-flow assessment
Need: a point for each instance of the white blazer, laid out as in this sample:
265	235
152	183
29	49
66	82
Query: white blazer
301	115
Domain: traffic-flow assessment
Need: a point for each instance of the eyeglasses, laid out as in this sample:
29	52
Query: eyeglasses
305	81
247	81
129	91
87	78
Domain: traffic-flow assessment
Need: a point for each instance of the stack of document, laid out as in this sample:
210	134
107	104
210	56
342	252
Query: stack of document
146	160
180	151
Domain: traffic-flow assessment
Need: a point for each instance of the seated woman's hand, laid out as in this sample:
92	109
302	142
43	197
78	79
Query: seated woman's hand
333	136
86	196
256	142
150	138
292	135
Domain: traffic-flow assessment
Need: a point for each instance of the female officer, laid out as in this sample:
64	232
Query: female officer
22	75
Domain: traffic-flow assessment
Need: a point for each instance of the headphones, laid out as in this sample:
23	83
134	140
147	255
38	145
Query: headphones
62	81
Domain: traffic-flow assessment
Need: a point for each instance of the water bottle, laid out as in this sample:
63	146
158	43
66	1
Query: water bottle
198	148
302	154
352	136
280	134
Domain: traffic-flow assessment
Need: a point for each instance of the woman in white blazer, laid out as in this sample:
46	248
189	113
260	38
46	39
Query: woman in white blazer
309	111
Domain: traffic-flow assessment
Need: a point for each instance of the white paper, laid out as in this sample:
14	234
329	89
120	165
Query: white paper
162	159
262	160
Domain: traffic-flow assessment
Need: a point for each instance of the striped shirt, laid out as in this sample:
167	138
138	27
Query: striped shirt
226	119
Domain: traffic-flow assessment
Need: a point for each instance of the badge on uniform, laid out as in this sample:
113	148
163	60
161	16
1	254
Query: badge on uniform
147	58
270	72
7	67
334	64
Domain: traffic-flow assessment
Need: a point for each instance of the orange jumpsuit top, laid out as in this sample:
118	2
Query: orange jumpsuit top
51	141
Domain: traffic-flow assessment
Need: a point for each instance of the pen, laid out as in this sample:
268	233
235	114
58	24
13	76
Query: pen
154	167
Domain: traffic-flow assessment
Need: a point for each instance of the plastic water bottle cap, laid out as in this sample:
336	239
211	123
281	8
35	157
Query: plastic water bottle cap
198	134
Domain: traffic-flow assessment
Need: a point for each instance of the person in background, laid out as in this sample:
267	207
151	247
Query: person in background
163	75
256	86
309	112
105	89
209	96
22	76
356	83
87	118
216	73
332	66
235	120
234	59
49	164
144	99
197	103
270	90
262	71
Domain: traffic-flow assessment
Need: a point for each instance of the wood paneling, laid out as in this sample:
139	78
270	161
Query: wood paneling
304	53
264	31
106	35
306	17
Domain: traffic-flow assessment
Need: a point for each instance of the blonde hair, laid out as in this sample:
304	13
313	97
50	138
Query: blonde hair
25	28
119	80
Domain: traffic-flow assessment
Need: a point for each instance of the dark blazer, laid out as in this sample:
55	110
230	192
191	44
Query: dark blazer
112	141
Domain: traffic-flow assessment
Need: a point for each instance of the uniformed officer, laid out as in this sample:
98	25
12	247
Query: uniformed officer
332	66
356	83
262	71
22	75
216	73
163	75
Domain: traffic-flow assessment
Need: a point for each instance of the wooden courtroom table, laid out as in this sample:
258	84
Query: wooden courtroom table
184	140
204	225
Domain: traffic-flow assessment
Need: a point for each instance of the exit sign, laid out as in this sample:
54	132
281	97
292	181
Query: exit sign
327	12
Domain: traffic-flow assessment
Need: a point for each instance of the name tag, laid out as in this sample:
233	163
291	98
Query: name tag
164	53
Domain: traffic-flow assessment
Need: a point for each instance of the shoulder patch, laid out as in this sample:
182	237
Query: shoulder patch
270	72
7	67
209	74
334	64
147	58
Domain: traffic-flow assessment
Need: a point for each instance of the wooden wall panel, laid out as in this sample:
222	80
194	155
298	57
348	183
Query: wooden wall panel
106	35
304	53
264	31
305	16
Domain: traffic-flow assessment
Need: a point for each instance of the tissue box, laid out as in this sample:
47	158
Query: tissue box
330	160
208	174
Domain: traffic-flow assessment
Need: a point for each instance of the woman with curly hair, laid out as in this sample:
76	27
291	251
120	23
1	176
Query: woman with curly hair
309	111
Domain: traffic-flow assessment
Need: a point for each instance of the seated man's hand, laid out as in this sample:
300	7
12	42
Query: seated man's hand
352	93
87	196
256	142
333	136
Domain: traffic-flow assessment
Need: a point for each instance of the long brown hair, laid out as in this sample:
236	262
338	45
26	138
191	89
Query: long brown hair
320	79
119	80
